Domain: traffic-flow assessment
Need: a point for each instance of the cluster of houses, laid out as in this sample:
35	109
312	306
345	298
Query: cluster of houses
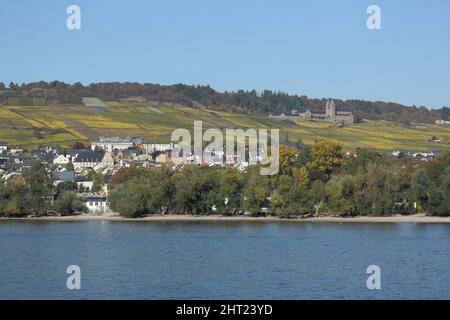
419	156
105	156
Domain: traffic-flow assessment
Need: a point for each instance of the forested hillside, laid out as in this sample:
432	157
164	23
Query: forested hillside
189	95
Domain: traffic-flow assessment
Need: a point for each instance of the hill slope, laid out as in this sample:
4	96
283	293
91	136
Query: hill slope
40	125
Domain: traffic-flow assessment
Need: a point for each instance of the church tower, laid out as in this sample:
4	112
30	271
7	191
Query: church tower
330	110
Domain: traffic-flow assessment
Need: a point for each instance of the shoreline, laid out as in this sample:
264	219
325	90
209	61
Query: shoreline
418	218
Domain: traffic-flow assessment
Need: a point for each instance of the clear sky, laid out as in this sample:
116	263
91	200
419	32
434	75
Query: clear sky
318	48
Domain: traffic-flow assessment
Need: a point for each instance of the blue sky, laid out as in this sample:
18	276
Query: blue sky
318	48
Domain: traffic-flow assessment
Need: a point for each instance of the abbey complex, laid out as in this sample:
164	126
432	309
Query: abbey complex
330	114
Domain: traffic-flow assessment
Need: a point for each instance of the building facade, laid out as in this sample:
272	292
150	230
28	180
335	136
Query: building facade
96	204
160	147
91	159
442	122
3	147
113	143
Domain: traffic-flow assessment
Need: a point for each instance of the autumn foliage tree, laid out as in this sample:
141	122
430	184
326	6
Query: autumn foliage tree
123	175
326	157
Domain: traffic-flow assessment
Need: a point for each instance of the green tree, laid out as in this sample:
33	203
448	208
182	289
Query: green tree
256	191
70	167
317	195
195	190
11	201
38	188
63	187
282	197
130	198
97	181
69	203
431	186
362	158
229	193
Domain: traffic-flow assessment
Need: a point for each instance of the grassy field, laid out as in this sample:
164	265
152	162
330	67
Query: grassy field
39	125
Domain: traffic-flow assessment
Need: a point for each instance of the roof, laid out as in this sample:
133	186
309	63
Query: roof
64	176
89	156
133	140
95	198
343	111
74	152
43	156
115	139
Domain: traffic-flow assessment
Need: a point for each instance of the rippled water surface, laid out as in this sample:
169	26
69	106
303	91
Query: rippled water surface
223	260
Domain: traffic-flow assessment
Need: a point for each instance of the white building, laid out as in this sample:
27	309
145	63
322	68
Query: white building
96	204
160	147
15	150
442	122
3	147
62	159
113	143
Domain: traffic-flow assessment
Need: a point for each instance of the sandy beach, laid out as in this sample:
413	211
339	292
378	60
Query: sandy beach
419	218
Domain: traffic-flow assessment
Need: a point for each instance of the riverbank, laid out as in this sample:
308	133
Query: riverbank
418	218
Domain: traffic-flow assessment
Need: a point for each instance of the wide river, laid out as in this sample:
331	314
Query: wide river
223	260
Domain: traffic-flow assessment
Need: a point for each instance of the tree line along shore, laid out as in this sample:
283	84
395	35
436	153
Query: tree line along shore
318	179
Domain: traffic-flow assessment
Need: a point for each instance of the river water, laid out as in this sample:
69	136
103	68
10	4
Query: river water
223	260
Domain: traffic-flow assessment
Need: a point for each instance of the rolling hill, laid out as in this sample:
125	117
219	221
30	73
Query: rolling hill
64	124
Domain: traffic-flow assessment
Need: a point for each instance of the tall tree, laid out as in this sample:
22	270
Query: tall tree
38	188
